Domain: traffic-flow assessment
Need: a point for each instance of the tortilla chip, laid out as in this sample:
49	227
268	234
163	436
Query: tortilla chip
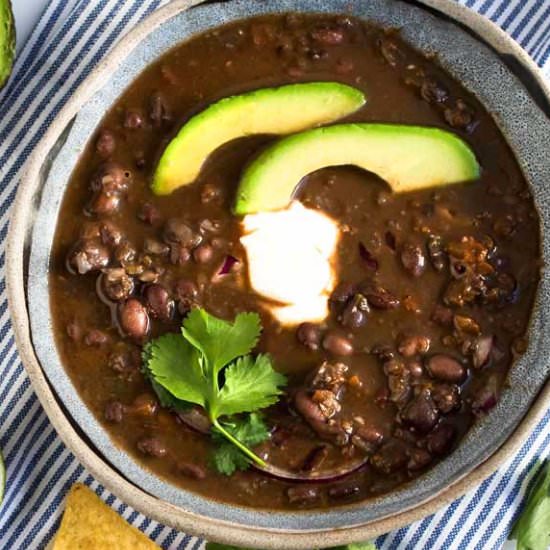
89	524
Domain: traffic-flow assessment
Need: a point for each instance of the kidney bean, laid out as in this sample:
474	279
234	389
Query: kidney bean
420	414
114	412
105	144
158	302
379	298
203	254
88	255
309	335
337	344
446	368
152	446
192	470
303	494
133	319
414	345
441	439
413	259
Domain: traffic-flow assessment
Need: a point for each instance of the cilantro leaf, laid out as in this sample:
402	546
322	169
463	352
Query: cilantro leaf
250	384
220	341
250	431
166	399
532	529
185	369
176	367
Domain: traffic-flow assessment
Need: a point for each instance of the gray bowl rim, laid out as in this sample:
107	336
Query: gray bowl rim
347	516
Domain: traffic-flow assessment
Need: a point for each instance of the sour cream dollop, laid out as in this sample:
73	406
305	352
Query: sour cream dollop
291	256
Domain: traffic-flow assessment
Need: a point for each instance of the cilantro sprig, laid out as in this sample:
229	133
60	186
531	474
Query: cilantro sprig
209	364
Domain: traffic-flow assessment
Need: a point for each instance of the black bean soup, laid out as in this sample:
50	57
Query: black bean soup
434	290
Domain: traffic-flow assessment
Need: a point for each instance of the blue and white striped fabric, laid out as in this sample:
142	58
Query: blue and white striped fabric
70	39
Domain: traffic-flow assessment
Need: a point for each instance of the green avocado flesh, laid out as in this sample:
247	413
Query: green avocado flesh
275	111
407	157
7	41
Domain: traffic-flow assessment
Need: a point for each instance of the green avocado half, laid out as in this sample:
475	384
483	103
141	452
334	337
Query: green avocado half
7	41
275	111
407	157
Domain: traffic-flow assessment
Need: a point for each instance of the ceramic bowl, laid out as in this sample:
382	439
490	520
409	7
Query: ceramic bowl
469	47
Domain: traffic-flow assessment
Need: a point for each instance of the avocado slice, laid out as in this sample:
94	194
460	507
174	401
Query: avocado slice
7	41
277	111
407	157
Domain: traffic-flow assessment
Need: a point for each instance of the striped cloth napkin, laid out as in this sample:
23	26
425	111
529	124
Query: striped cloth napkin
68	42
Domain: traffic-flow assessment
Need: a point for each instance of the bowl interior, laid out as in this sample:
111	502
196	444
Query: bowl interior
471	62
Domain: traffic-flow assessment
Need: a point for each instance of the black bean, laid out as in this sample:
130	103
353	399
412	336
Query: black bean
303	494
211	193
446	368
379	298
418	459
436	252
354	314
442	315
177	231
124	361
392	456
158	301
433	92
88	255
149	214
420	414
309	335
114	412
115	284
96	337
152	446
203	254
111	179
369	261
342	293
337	344
413	259
133	319
483	348
446	397
105	144
74	330
315	458
192	470
179	254
441	439
104	204
159	112
414	345
133	119
110	234
344	490
125	253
